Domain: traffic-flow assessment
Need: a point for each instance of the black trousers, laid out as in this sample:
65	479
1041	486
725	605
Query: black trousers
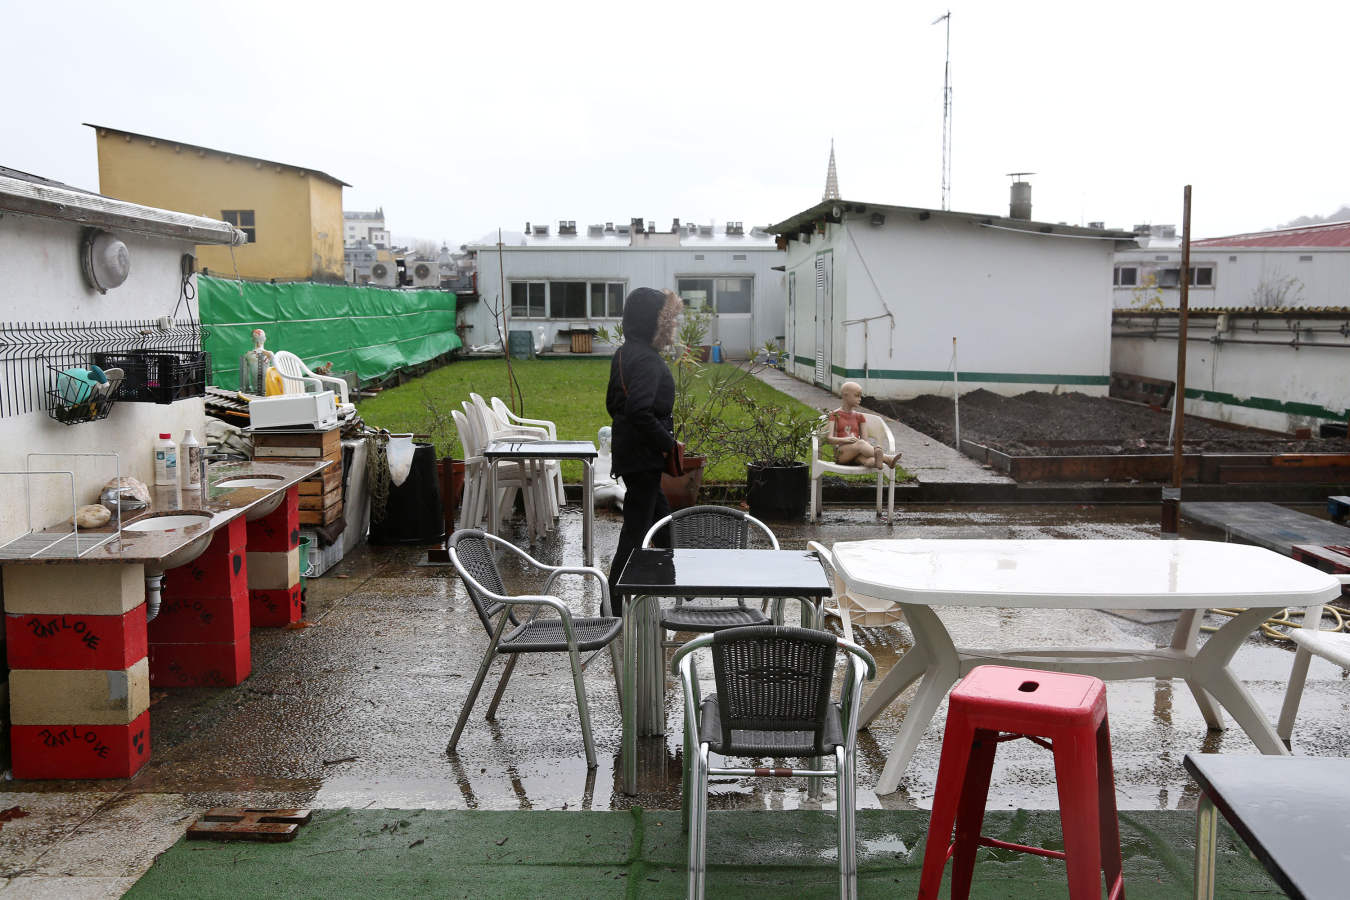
643	505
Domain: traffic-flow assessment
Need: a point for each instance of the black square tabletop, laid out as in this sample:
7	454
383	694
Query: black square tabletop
724	573
1292	811
541	450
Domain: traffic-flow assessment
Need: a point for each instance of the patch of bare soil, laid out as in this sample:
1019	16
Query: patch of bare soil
1038	423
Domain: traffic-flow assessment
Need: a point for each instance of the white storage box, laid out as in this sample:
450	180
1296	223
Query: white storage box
317	411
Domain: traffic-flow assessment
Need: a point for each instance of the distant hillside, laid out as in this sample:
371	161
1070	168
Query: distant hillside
1340	215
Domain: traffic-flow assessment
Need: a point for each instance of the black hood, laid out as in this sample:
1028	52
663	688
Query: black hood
642	313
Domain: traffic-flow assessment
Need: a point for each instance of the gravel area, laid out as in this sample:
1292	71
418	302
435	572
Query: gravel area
1039	423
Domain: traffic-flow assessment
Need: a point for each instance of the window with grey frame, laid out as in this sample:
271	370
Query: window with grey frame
725	295
606	299
527	299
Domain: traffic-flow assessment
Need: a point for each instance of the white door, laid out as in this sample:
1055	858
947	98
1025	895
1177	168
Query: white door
824	316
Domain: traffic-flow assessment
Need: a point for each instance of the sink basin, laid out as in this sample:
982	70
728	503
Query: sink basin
256	482
178	520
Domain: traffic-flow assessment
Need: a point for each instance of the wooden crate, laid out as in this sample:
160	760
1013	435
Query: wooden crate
321	501
321	516
324	482
301	444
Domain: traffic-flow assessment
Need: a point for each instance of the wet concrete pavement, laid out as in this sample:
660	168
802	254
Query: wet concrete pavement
355	711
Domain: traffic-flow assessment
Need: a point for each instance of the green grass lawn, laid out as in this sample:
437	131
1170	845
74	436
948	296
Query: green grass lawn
568	392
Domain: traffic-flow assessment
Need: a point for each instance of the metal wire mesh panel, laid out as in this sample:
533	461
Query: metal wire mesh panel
32	354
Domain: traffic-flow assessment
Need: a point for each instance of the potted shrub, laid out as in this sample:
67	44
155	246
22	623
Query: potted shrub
774	439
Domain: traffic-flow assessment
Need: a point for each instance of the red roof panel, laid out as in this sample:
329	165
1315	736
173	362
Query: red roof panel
1331	234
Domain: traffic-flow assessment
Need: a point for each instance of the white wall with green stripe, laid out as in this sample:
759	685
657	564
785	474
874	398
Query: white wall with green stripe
1274	372
1030	311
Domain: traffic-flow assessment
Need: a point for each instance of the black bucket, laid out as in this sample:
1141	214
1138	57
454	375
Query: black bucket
777	493
413	514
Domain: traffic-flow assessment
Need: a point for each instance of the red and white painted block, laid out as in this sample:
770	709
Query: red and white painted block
279	530
75	641
80	751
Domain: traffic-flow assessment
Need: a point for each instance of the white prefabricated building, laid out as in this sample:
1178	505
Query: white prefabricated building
577	279
877	293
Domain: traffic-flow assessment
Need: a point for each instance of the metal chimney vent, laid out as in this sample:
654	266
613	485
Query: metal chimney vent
1020	205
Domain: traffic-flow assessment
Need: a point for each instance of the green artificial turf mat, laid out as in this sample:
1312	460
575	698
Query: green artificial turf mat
636	853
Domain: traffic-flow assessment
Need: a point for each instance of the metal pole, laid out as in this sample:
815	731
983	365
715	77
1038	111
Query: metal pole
1171	500
956	394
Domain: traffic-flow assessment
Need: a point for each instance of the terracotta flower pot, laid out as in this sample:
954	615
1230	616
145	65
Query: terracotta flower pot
682	490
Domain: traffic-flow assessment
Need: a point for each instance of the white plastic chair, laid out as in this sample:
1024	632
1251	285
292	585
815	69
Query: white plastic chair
471	509
1311	641
296	377
510	419
496	429
849	608
874	429
512	477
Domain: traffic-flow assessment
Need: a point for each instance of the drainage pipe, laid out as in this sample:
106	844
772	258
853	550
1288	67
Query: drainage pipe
153	595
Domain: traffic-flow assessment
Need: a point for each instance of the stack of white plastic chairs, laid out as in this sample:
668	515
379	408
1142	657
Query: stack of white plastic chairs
538	483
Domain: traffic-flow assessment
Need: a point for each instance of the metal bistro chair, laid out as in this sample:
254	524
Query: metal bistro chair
710	528
774	699
471	552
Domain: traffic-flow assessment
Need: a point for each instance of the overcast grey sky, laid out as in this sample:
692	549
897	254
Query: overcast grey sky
458	118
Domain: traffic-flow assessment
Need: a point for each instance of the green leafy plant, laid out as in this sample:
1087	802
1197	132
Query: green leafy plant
770	434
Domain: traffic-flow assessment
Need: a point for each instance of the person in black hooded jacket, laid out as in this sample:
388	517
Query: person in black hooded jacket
640	397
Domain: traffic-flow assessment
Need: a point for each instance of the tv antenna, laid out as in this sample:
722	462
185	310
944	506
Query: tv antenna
946	114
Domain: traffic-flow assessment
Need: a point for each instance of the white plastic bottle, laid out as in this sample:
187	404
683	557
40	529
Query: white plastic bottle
166	460
190	452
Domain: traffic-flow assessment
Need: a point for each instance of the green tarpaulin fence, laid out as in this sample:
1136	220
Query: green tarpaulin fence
367	330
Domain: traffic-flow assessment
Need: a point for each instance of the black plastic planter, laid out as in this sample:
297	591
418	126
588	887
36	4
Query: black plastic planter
777	493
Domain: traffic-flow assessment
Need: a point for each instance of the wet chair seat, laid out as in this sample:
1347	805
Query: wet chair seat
1063	712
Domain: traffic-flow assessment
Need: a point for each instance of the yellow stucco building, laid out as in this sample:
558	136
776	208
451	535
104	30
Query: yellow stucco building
292	215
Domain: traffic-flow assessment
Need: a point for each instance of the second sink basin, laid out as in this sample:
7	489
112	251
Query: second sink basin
183	520
260	483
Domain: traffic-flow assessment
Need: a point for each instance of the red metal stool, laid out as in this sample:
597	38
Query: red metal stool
1064	713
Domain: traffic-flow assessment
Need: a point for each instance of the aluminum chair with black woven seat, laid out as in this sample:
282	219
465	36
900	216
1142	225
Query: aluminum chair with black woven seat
710	528
774	698
472	553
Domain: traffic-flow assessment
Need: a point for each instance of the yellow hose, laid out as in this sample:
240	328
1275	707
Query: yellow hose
1285	617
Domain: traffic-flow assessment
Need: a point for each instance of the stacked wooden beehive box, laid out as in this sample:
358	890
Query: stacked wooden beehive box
320	496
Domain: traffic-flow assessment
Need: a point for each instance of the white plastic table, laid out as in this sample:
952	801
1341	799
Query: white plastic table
919	575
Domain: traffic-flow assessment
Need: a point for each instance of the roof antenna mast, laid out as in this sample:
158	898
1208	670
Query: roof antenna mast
946	114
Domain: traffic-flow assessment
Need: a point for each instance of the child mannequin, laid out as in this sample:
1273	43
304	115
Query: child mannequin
845	433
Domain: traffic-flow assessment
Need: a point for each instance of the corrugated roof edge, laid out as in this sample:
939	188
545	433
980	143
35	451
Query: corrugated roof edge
269	162
46	199
824	209
1281	312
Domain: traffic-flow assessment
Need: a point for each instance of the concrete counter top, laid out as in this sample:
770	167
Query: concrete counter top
222	504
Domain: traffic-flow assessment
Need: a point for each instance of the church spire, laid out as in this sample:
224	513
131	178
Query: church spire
831	178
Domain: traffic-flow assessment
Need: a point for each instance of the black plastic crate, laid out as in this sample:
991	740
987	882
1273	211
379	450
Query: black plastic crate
158	376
